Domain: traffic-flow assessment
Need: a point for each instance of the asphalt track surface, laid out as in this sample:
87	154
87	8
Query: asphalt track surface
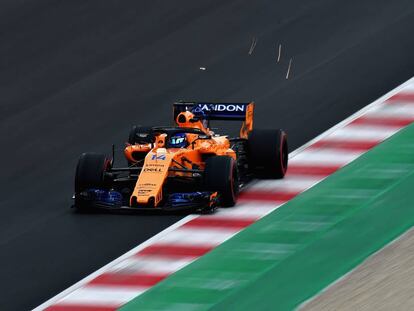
75	75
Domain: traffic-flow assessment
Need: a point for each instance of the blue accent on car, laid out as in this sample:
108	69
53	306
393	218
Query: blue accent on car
111	197
158	157
187	198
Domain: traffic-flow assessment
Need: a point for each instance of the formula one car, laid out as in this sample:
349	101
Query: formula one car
187	166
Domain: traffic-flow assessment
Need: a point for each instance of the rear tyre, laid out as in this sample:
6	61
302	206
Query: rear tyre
268	153
90	173
221	175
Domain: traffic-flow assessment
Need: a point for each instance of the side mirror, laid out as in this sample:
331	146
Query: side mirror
201	136
204	136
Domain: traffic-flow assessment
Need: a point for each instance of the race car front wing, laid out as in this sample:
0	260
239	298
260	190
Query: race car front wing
114	200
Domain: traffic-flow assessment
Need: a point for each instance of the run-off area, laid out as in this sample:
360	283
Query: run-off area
295	252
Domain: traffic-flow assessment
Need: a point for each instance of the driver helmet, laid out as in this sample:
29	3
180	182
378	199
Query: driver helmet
178	140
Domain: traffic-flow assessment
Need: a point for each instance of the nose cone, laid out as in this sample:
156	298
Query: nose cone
148	189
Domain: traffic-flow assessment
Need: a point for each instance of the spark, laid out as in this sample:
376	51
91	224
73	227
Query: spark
280	53
288	71
253	45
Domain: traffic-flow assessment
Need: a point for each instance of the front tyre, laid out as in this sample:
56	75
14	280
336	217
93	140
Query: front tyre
90	173
139	135
221	175
268	153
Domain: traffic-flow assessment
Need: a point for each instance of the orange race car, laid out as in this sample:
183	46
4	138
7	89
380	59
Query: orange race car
186	166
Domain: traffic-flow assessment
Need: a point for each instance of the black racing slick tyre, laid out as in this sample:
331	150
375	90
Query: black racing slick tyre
139	134
221	175
90	173
268	153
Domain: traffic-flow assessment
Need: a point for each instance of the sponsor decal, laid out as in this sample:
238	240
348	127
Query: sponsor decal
219	108
143	191
154	165
147	185
152	170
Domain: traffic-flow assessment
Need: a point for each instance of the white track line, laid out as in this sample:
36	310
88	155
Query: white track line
291	183
198	236
167	231
150	265
246	210
394	110
102	296
325	157
363	132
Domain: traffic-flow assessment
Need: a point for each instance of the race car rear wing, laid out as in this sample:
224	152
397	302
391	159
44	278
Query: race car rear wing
220	111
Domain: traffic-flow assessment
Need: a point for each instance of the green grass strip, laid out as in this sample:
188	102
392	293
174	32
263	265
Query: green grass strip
305	245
